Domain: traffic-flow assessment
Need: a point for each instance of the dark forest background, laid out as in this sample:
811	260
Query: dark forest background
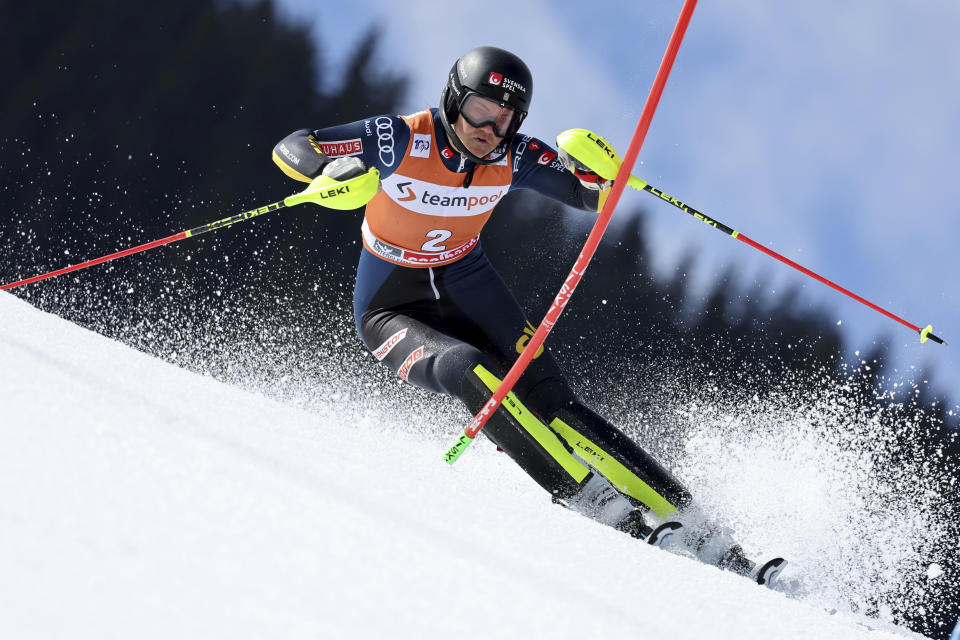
122	123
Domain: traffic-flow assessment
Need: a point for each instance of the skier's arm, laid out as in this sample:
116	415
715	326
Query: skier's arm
538	166
378	142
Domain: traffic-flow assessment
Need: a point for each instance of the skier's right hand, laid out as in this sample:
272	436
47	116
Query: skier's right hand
587	177
345	168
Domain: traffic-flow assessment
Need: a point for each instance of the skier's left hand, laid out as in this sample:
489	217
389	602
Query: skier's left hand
587	178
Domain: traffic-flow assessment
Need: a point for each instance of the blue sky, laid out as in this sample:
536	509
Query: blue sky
823	130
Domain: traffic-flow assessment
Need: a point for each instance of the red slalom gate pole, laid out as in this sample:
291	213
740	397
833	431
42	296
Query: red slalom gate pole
593	240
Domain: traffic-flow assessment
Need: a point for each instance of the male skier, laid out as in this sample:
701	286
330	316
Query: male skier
429	305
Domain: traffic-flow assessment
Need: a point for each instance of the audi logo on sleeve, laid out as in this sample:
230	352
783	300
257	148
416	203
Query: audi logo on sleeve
385	140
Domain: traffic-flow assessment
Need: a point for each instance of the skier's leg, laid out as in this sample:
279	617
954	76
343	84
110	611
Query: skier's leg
432	360
616	455
462	314
482	305
549	460
452	318
406	320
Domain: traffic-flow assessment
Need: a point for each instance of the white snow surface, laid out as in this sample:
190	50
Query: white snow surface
140	500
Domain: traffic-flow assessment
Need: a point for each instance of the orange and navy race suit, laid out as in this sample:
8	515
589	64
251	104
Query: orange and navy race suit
427	302
421	240
433	203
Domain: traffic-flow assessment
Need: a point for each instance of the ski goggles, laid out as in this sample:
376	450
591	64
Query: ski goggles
480	111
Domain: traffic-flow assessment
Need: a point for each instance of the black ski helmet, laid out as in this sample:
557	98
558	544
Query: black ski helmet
492	73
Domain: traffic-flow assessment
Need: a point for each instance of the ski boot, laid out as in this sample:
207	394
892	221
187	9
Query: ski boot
714	546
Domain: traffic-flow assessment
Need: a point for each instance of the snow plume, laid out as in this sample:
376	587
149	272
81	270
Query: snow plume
846	486
841	486
140	499
291	339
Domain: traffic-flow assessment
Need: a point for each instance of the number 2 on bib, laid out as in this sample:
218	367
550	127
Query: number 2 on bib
438	236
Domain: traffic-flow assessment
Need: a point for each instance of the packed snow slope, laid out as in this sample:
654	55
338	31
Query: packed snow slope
139	500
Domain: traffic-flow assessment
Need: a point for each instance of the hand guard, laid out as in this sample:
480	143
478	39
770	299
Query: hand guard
299	156
345	168
587	178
